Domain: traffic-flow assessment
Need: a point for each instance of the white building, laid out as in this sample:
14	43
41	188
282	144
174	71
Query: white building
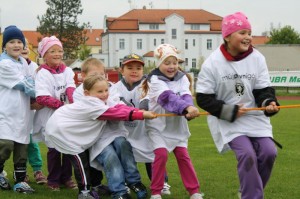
196	33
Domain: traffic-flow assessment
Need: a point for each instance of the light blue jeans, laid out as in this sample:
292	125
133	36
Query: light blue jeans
119	166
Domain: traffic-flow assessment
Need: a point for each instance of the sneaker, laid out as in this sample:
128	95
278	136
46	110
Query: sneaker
139	189
3	173
4	182
166	189
124	196
54	187
88	195
196	196
23	187
70	184
155	196
102	190
39	177
127	188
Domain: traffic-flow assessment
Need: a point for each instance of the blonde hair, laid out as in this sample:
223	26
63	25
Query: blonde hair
91	80
145	86
86	64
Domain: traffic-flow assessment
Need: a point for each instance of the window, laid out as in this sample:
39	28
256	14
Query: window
174	35
139	44
209	44
193	63
153	26
121	44
154	42
186	61
194	42
162	41
195	27
186	44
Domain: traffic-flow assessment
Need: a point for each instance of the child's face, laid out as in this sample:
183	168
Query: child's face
94	70
25	53
239	42
14	48
53	56
169	67
99	90
132	72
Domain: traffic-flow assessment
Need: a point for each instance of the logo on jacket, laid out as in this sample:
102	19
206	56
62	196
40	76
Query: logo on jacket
239	89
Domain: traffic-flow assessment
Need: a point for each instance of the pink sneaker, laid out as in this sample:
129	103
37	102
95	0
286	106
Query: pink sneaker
39	177
70	184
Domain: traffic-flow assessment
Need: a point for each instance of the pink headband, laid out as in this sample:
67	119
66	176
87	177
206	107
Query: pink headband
46	43
234	22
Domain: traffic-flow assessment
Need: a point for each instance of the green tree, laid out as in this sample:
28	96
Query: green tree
60	20
285	35
84	52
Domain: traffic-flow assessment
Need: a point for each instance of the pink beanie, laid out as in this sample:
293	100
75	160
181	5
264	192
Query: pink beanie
46	43
164	51
234	22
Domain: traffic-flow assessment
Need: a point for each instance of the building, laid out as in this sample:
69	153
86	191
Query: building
195	32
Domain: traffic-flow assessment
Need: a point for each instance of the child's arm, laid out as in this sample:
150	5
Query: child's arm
69	93
265	97
49	101
123	112
27	86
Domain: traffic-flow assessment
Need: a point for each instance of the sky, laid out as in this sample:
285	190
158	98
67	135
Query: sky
262	14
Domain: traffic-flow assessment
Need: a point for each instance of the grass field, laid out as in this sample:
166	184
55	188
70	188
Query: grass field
217	173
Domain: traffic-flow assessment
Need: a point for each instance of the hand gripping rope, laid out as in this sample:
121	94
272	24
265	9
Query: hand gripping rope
246	109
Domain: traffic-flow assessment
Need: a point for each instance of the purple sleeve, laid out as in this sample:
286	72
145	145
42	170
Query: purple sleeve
49	101
118	112
69	93
174	103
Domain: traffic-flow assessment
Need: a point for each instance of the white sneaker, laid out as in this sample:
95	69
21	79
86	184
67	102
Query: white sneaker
196	196
127	188
155	196
166	189
4	173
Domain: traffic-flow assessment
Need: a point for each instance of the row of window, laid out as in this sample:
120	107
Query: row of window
156	27
139	43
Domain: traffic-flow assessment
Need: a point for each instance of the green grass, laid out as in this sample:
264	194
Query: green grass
217	173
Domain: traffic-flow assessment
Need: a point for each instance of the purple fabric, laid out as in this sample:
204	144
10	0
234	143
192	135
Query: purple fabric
120	112
174	103
256	157
49	101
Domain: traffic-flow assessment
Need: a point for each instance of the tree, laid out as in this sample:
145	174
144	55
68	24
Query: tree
84	52
60	20
285	35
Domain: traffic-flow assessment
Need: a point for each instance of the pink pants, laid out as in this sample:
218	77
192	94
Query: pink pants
186	168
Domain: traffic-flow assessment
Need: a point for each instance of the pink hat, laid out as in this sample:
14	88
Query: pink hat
46	43
164	51
234	22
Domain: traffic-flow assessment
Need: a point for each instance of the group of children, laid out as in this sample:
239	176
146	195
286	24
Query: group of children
101	126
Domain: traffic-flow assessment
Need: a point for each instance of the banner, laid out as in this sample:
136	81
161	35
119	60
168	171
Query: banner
285	78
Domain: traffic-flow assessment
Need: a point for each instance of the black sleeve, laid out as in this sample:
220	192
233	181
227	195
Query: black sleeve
217	108
263	97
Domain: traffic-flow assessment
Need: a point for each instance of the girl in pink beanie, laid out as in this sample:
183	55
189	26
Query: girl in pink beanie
54	88
232	78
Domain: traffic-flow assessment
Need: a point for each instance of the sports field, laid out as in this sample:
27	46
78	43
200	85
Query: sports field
217	173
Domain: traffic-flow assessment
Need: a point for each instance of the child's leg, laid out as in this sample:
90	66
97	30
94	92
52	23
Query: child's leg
158	170
66	175
34	156
185	165
148	166
124	151
113	170
250	181
266	155
20	159
54	167
6	147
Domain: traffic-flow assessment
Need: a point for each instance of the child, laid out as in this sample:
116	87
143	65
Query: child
88	67
233	77
83	123
168	91
34	154
16	89
129	88
54	87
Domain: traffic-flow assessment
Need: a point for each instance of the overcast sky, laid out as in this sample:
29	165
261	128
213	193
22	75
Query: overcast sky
261	13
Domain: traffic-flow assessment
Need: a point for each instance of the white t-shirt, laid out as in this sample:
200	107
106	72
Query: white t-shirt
167	132
32	70
233	82
73	128
138	138
14	104
48	84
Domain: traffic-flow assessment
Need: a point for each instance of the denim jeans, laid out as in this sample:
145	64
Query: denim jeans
119	166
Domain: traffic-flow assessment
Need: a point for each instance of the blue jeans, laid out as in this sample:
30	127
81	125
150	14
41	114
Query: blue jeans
119	166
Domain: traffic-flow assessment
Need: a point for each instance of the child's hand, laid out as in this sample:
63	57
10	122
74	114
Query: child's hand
36	106
192	112
272	108
241	111
149	115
